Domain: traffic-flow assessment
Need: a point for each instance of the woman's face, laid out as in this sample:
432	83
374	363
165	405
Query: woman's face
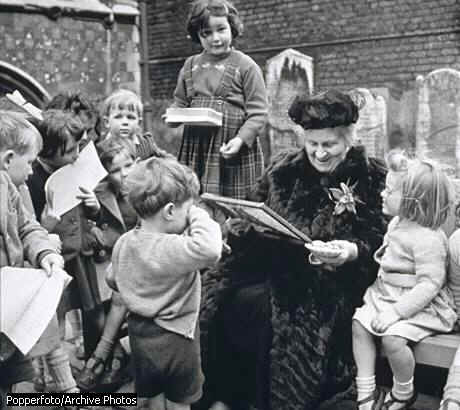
325	148
216	37
391	195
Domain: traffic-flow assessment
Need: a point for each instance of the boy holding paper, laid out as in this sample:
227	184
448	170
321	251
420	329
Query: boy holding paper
62	133
20	235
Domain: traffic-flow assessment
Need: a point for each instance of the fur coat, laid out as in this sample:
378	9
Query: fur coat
311	359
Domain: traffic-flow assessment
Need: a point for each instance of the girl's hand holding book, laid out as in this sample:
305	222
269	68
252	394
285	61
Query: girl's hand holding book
231	148
384	320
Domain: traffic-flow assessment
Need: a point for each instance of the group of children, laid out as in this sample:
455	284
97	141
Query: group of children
137	216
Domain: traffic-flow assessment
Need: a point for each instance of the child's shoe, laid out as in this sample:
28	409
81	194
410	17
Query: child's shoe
91	374
116	371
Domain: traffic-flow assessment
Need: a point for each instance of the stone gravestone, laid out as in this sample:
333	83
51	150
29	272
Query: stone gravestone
438	119
438	126
371	128
288	74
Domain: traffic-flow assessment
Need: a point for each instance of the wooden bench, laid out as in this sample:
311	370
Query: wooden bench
437	351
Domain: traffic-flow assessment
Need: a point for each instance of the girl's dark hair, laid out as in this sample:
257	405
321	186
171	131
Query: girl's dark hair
201	10
56	129
109	148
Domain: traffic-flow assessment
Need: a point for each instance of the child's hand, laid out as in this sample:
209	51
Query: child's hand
384	320
49	219
52	262
170	124
56	241
89	199
231	148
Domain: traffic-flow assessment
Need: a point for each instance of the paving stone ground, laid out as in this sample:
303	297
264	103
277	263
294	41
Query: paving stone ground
424	402
27	387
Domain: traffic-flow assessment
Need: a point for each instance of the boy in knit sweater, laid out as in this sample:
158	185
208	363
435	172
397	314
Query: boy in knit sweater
155	268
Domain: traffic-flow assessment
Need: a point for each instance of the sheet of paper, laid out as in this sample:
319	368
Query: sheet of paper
63	186
17	98
28	301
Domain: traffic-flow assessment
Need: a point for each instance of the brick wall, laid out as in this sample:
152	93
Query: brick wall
370	43
70	53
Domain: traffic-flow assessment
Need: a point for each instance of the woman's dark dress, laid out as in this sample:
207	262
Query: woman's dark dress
276	330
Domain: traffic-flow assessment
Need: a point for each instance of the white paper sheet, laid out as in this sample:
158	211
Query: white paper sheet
62	187
28	301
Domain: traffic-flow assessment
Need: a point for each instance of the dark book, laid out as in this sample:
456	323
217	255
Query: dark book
257	213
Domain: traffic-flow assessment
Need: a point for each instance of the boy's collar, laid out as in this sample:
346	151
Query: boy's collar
47	167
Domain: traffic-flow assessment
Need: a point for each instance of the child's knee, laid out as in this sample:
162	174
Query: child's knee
393	344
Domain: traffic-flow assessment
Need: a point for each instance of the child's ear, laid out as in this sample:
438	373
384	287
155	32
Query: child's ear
5	159
168	211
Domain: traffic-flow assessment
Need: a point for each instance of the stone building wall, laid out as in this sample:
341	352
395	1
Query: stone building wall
369	43
378	44
71	52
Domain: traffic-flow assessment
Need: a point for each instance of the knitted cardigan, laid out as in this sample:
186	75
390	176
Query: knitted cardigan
311	359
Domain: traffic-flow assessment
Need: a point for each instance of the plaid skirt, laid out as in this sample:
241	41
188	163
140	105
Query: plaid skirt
235	177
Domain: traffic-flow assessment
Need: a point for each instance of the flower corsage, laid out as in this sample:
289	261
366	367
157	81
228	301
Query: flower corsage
344	198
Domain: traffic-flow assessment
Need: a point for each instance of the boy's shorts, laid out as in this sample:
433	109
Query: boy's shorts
165	362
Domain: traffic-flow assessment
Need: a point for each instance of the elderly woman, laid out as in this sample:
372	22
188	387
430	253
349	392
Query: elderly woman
276	320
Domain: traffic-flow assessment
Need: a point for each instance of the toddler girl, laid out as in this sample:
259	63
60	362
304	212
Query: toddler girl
228	159
409	300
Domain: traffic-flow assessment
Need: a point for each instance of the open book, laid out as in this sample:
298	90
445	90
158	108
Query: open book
63	186
256	212
194	116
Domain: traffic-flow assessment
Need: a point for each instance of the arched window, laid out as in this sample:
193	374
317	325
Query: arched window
13	78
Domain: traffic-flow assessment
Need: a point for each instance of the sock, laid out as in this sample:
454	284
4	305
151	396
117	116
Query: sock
403	390
104	348
452	387
59	368
365	386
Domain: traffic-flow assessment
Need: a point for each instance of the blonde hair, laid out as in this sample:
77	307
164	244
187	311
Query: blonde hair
12	136
122	99
426	194
155	182
397	160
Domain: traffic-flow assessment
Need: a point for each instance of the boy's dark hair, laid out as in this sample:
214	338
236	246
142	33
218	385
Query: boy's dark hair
109	148
201	10
155	182
57	128
79	104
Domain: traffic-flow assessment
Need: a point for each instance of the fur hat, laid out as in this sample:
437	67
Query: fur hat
325	110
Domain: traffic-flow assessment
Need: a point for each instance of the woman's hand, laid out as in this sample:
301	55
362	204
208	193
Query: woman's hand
384	320
231	148
89	199
332	253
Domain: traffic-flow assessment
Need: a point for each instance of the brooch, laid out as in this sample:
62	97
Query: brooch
344	198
